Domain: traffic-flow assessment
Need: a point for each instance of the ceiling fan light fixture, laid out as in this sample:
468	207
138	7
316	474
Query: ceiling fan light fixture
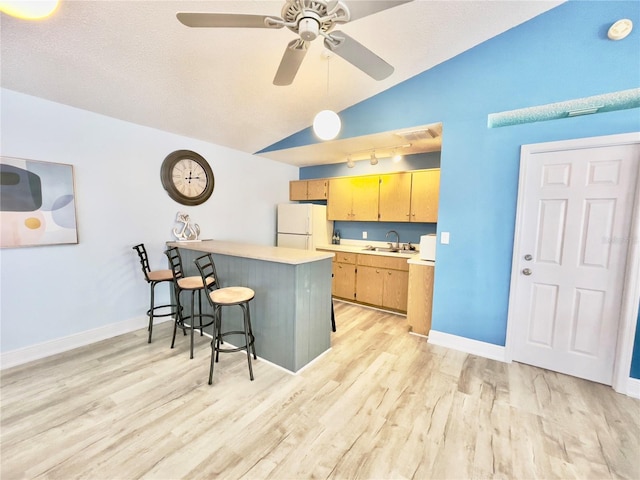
327	125
308	28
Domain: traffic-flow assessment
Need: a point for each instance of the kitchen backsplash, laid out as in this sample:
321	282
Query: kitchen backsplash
376	231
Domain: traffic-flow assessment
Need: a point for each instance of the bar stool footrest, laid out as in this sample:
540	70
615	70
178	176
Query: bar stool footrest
173	306
182	325
236	349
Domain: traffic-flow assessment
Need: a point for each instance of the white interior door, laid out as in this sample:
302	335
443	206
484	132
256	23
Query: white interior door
572	237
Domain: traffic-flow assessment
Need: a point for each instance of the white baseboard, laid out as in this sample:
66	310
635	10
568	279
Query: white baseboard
467	345
633	387
64	344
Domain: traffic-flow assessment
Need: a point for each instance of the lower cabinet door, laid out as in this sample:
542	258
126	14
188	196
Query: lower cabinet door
344	280
395	292
369	285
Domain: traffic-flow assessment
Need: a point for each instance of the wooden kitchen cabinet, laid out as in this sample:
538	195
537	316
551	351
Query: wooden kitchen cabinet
369	285
425	191
353	198
395	197
378	280
382	281
344	275
315	189
395	290
420	299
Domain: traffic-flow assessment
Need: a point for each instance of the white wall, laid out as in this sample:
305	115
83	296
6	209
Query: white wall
53	292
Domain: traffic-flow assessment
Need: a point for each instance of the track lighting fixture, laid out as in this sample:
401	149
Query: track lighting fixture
350	163
374	159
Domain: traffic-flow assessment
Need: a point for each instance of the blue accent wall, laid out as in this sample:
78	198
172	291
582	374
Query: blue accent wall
635	362
560	55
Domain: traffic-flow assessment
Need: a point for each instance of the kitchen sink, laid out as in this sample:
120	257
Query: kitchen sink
382	249
387	249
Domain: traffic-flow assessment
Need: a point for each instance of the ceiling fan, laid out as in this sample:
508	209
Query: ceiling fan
308	19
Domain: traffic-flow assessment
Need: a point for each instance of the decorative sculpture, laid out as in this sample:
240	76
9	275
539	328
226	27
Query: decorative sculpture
188	231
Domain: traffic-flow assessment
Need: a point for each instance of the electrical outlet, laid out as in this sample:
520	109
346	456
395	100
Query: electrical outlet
364	235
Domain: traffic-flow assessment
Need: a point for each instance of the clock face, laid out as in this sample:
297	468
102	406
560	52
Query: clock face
187	177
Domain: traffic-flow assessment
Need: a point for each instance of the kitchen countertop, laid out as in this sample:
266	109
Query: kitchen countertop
417	261
290	256
412	257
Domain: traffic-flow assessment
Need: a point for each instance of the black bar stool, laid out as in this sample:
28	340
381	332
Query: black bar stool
191	284
226	297
154	277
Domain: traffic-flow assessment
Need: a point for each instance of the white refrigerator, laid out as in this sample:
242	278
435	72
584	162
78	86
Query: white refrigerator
303	225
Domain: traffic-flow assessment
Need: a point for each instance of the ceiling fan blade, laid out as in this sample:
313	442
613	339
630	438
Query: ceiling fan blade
228	20
290	63
362	9
358	55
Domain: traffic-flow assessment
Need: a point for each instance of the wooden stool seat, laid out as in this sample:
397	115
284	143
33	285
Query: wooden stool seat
232	295
160	275
192	283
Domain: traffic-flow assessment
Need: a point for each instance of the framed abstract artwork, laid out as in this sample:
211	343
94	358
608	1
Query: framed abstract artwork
37	203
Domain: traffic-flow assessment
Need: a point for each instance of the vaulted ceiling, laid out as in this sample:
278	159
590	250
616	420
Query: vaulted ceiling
132	60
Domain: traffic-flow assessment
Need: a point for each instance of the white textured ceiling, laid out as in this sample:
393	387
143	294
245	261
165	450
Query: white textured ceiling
134	61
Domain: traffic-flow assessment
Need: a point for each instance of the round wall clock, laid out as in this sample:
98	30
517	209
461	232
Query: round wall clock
187	177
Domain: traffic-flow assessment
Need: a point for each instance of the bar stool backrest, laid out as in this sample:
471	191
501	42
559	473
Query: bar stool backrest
175	262
144	260
207	269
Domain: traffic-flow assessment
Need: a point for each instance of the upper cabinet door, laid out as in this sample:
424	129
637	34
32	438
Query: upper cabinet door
425	190
365	198
298	190
339	202
395	197
317	189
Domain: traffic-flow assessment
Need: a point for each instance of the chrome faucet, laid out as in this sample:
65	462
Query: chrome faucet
397	238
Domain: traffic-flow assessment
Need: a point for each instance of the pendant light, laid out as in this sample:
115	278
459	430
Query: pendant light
327	124
31	10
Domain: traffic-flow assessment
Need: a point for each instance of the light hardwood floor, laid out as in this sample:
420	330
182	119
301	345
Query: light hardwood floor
382	404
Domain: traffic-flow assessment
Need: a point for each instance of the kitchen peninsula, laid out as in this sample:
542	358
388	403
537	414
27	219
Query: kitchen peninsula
291	312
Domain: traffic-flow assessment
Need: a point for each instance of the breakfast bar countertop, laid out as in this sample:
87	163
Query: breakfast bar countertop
290	256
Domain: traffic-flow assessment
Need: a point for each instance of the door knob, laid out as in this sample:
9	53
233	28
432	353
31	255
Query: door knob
528	257
526	271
